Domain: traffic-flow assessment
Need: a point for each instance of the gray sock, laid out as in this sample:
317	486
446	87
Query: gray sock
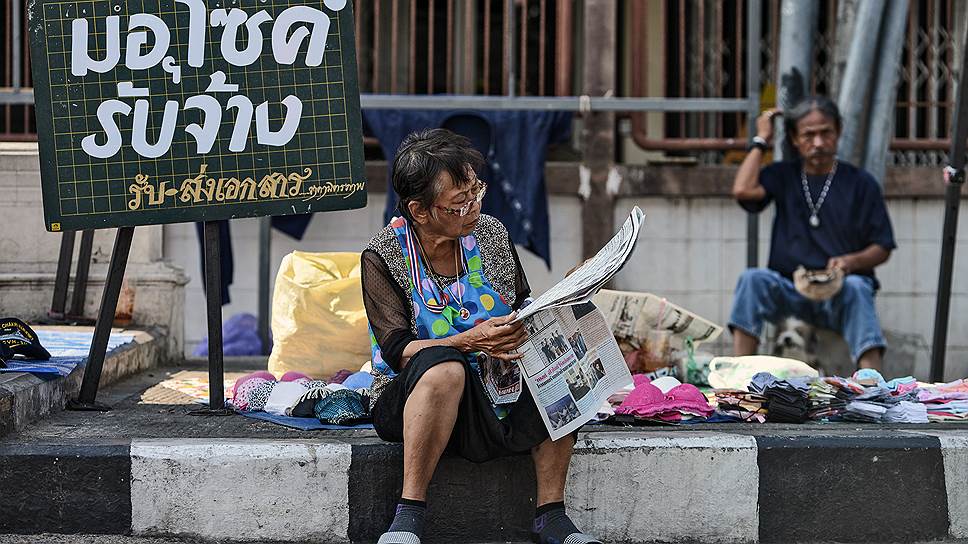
552	525
409	517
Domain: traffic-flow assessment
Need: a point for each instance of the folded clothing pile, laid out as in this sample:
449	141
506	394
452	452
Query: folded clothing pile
664	399
296	395
880	401
741	405
946	402
786	400
824	400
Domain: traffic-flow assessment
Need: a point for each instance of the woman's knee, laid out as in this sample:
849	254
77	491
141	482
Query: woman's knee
445	378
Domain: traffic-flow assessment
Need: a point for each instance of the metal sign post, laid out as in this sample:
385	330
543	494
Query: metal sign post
954	176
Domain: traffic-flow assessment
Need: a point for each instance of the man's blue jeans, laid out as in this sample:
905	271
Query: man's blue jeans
763	295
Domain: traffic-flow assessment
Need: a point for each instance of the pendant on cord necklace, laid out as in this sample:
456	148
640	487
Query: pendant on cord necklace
814	221
464	313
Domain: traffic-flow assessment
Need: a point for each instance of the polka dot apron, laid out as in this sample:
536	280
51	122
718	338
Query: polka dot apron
438	314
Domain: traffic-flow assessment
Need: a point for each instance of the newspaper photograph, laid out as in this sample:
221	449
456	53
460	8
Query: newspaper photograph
632	315
571	364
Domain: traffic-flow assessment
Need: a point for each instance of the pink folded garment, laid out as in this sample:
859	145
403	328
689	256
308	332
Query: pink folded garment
292	376
647	400
261	374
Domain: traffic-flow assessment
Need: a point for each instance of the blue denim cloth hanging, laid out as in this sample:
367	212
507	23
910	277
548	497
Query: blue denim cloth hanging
514	145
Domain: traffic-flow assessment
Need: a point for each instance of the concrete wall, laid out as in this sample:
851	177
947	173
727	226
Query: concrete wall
28	256
692	250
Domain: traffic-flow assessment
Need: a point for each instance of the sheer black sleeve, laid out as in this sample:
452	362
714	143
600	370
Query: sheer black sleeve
387	308
522	289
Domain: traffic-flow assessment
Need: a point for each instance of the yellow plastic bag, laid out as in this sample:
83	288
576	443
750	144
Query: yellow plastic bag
318	322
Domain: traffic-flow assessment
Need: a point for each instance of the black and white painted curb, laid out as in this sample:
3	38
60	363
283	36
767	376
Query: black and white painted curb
668	486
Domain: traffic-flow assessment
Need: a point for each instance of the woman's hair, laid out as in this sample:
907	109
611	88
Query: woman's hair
824	105
420	160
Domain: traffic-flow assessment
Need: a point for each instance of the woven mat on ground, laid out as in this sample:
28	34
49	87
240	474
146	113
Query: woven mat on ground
68	350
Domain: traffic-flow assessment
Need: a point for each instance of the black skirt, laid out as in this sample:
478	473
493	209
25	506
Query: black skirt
479	435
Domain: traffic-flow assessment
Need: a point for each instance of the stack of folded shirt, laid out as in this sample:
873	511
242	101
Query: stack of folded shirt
946	402
906	412
864	411
741	405
824	400
787	400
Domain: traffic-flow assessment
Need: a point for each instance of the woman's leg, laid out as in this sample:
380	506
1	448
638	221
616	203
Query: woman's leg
428	420
551	460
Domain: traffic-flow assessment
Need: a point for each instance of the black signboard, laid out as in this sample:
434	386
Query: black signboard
163	111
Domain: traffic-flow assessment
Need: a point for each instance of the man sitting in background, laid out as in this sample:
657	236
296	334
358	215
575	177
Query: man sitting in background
830	215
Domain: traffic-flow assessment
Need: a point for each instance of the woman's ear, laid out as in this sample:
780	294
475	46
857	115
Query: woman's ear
418	212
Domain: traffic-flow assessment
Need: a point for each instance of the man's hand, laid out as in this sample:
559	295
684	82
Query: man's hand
497	337
764	123
844	262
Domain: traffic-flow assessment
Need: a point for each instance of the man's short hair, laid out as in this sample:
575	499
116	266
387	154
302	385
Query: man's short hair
805	107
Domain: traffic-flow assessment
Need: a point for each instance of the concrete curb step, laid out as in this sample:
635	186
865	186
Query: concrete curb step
667	486
25	398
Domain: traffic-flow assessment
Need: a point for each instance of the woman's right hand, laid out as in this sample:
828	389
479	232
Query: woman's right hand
497	337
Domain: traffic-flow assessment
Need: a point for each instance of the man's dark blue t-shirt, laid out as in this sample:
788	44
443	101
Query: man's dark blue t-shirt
853	216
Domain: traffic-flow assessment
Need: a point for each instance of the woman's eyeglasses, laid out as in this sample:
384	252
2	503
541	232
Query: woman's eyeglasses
477	197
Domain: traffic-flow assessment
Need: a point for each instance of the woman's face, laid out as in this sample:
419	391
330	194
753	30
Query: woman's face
453	199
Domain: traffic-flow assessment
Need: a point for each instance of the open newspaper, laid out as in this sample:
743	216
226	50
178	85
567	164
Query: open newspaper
571	362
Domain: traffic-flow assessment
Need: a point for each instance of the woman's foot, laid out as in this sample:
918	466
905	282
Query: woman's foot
407	525
553	526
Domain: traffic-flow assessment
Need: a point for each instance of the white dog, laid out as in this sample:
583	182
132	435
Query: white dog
797	339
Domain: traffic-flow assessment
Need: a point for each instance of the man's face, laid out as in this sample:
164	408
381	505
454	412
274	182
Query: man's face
816	139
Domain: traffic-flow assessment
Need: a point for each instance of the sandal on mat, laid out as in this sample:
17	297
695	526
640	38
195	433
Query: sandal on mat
573	538
398	537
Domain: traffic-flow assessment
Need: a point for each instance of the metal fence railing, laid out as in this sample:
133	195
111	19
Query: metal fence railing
532	48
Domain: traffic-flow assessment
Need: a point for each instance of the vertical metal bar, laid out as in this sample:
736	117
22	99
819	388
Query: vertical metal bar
430	48
934	23
738	67
265	279
701	35
17	49
509	46
912	41
63	276
563	48
412	69
79	294
394	44
542	43
523	66
105	318
487	47
7	67
952	199
753	23
469	41
449	73
506	87
683	67
213	299
377	52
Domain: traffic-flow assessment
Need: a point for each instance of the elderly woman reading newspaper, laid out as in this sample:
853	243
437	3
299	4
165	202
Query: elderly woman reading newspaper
441	284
